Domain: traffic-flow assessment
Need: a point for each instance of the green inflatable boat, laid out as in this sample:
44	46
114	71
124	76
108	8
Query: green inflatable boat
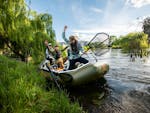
84	74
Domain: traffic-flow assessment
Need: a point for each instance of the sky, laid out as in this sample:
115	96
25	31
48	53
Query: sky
85	18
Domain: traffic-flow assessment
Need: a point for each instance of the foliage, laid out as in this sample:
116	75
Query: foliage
112	39
22	90
132	42
146	27
22	30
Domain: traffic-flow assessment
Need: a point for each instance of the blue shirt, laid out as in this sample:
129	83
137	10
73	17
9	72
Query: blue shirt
72	55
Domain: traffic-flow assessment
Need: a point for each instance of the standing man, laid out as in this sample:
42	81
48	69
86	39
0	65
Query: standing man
74	50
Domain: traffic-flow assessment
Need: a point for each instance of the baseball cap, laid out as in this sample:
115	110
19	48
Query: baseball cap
50	44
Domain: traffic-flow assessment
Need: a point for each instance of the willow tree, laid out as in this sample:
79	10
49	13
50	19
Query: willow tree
42	30
146	27
23	35
13	16
47	19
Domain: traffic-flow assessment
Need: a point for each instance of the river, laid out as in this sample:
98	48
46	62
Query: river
127	89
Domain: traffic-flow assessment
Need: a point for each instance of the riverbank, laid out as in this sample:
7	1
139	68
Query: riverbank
23	90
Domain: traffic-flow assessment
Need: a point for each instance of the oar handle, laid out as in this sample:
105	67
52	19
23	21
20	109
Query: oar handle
53	77
64	49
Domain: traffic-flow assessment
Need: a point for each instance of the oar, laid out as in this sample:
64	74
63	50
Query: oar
64	49
53	77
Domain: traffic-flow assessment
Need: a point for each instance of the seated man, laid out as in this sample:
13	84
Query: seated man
49	52
58	58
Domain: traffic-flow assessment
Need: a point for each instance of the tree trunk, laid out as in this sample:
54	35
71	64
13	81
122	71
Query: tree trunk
7	42
149	40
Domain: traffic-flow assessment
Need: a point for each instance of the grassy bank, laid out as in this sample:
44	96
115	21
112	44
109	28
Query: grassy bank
22	90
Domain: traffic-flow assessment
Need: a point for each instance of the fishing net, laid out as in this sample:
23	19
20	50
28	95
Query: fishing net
99	44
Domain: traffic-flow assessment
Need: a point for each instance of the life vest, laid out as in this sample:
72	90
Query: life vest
57	55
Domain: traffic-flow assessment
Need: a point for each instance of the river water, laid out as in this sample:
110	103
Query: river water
127	89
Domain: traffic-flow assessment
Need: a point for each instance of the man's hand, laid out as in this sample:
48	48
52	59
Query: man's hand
65	27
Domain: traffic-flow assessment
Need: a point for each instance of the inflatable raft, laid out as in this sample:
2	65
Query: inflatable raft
82	75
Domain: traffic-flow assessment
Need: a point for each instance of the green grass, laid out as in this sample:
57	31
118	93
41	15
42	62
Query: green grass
22	90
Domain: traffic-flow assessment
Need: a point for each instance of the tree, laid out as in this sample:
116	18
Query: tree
13	16
47	19
23	32
146	27
112	39
133	42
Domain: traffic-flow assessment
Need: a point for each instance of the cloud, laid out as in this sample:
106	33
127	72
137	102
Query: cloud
137	3
86	34
112	29
97	10
113	22
80	15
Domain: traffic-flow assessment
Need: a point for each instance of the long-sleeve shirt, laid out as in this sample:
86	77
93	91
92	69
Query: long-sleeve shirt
72	54
49	53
